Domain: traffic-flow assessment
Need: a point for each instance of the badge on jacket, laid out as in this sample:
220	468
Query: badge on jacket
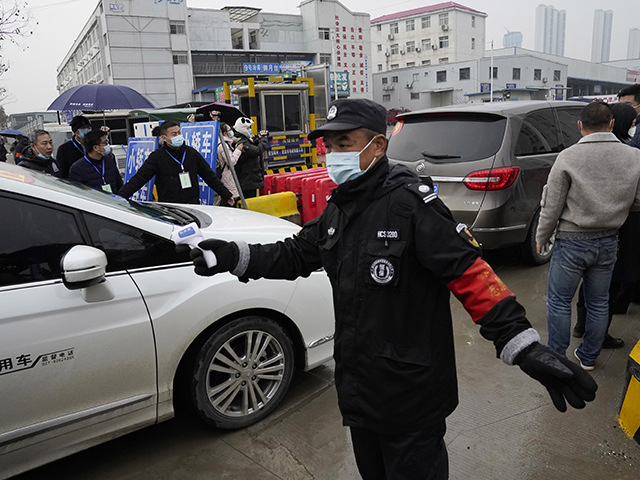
464	232
382	271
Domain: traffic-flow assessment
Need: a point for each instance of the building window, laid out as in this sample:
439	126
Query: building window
386	98
556	75
443	19
378	28
537	74
495	72
180	59
443	41
394	49
410	25
324	33
443	60
426	44
176	27
416	77
379	67
473	43
411	47
415	96
395	66
426	62
426	22
393	27
325	58
473	21
380	47
384	80
394	79
516	74
411	64
465	73
441	76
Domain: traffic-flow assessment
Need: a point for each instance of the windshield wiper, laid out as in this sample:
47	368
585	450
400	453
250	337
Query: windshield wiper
438	157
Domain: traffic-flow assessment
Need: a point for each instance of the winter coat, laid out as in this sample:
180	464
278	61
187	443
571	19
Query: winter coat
249	167
88	171
33	162
69	153
222	168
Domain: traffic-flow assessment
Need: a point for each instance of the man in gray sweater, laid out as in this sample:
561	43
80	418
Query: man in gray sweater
590	190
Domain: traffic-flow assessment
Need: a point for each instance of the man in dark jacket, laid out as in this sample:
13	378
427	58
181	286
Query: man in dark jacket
72	151
37	156
249	167
393	253
97	169
176	167
20	145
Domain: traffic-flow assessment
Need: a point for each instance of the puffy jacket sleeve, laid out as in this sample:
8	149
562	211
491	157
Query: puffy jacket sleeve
146	172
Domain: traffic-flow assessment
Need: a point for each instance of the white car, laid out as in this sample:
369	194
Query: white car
93	346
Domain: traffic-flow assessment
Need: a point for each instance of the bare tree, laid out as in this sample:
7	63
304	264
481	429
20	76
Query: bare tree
15	24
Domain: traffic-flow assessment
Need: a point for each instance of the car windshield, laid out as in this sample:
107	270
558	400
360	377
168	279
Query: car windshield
447	137
163	213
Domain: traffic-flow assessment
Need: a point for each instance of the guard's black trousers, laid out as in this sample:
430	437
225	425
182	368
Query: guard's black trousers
408	456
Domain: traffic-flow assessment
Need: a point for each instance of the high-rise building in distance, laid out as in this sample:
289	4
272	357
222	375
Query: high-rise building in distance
512	39
601	40
633	49
550	28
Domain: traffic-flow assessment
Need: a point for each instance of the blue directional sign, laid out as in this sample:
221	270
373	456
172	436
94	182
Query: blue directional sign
138	151
203	136
342	80
261	68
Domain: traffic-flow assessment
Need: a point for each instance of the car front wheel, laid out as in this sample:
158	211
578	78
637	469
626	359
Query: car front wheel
242	372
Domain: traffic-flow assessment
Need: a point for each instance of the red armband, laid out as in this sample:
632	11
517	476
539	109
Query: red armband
479	289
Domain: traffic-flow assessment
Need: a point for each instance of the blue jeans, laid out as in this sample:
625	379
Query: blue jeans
593	261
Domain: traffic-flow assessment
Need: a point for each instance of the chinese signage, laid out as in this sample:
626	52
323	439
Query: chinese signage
510	85
203	136
260	67
485	87
342	82
633	75
138	150
294	65
350	54
559	92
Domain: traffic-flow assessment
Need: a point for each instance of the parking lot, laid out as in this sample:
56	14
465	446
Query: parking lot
505	426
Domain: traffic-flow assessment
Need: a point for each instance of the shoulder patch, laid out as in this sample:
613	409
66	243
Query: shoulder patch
423	189
464	232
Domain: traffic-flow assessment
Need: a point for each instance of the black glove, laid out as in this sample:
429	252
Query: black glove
226	254
561	377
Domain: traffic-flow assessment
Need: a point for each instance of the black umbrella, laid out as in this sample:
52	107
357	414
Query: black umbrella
228	113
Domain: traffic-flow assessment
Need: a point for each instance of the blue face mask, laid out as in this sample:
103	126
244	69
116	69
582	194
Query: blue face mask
107	150
345	166
83	131
41	155
177	141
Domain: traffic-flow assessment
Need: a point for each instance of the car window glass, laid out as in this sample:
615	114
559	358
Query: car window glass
34	239
129	247
538	134
444	137
568	120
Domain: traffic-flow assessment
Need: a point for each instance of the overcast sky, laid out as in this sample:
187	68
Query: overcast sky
31	80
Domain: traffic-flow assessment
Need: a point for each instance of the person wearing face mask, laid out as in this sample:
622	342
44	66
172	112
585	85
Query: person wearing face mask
73	150
394	253
37	156
631	96
222	167
176	167
97	169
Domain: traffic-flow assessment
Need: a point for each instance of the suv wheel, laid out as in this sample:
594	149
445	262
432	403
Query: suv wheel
529	253
242	372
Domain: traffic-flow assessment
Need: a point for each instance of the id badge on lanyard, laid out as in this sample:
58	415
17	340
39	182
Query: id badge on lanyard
106	188
185	180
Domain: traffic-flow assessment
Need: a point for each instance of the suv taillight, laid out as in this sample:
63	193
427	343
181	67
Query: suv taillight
494	179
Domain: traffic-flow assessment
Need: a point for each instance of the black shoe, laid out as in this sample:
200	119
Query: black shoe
611	342
578	332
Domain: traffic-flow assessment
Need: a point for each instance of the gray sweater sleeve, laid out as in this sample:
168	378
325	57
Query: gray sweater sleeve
553	201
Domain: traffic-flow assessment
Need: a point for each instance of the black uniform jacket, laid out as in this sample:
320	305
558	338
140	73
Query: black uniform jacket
29	160
393	253
249	168
69	153
90	174
167	171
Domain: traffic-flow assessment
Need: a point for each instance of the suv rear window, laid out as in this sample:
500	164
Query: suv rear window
449	137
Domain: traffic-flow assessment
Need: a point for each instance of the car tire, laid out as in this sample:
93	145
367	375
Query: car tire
528	249
242	372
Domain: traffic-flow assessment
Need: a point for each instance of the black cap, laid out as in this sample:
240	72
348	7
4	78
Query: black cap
79	121
347	114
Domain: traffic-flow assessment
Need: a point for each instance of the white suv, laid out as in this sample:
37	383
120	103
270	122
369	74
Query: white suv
102	323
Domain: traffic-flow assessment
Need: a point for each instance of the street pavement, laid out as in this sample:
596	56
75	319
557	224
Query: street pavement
504	428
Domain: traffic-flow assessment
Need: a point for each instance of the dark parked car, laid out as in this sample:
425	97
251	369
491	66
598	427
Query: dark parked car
489	163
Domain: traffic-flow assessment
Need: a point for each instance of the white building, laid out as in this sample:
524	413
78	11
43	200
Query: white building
433	35
550	30
173	54
512	39
633	47
601	40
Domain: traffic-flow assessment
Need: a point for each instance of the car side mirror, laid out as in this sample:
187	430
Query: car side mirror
83	266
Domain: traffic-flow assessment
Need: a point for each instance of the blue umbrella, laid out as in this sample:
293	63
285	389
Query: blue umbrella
11	133
100	97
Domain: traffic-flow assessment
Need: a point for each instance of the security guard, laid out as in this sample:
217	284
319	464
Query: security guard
393	253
